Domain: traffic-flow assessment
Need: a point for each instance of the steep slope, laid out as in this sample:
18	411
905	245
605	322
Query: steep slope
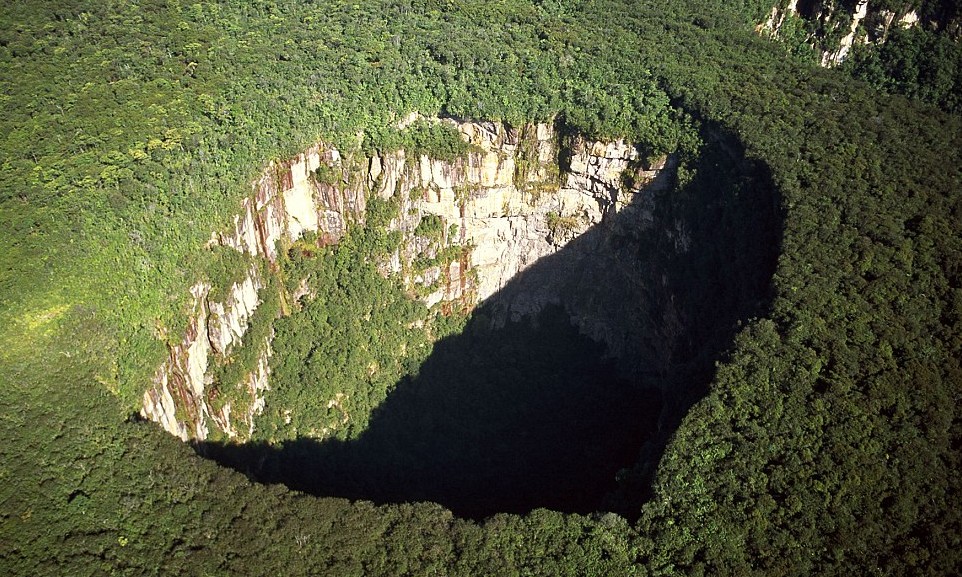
829	439
491	215
516	410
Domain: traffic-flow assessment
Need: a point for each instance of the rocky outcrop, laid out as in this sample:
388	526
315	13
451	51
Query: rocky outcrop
285	204
175	400
509	202
776	18
280	209
515	199
845	44
863	23
180	398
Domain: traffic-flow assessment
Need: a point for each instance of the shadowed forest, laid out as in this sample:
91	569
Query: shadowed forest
498	420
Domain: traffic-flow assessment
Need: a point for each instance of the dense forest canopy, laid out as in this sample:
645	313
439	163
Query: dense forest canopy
828	441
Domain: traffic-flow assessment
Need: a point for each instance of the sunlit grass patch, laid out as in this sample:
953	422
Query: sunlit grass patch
30	330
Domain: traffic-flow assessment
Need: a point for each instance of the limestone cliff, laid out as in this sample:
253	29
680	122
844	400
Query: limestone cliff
509	202
181	399
834	28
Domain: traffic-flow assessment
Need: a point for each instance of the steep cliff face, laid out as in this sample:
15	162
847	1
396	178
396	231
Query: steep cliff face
834	28
181	399
506	204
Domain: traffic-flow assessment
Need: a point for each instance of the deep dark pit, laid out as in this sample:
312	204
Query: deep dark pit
497	420
513	416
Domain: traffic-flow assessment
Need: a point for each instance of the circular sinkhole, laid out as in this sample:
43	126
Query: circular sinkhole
565	404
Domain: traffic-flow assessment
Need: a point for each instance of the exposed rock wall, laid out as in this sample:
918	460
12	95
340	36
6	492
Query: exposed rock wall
845	44
776	18
508	203
864	23
280	209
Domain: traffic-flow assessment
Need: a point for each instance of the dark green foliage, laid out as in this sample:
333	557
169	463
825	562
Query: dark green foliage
915	62
811	412
227	267
921	61
437	140
355	335
795	34
827	444
431	226
229	373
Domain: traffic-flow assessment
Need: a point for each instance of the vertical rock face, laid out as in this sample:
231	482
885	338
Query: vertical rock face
176	400
863	23
228	320
505	205
283	206
845	44
776	18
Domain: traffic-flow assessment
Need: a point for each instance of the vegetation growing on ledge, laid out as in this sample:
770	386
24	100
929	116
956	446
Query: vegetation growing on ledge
431	226
337	358
561	227
828	440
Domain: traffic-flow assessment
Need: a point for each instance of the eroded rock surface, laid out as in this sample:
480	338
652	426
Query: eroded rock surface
508	203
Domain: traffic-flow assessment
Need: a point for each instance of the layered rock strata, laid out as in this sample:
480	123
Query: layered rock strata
507	204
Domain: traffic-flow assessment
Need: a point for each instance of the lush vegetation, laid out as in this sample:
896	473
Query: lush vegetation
829	438
916	62
354	337
921	60
496	420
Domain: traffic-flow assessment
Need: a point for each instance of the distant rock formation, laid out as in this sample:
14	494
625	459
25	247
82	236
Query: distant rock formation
840	25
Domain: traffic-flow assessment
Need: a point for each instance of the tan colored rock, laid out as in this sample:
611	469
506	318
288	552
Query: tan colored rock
228	320
830	59
504	226
180	380
374	172
299	201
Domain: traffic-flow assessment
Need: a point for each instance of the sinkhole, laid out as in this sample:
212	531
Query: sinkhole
569	404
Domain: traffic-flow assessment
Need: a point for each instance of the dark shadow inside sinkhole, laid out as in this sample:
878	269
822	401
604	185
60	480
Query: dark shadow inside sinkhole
513	415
